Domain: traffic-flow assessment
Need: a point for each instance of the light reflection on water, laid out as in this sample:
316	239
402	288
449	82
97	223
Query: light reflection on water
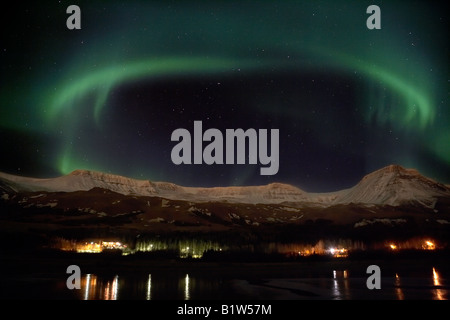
93	289
187	288
341	289
439	294
398	289
340	285
149	288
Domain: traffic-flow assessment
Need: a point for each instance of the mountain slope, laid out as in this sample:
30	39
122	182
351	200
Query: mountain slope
392	185
395	186
271	193
80	180
84	180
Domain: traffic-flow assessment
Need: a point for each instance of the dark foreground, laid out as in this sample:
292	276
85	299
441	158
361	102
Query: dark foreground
419	275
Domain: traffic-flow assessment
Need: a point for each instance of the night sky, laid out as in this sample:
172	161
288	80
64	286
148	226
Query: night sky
347	100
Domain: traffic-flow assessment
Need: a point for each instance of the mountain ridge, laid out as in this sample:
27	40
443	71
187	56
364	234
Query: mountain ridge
392	185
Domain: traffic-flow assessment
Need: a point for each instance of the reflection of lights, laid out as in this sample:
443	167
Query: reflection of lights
439	293
88	284
186	288
106	293
115	288
336	290
340	289
149	287
112	289
435	278
398	289
340	274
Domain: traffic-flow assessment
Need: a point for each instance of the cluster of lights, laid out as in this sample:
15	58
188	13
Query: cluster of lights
195	252
96	247
426	245
335	252
90	247
112	245
338	252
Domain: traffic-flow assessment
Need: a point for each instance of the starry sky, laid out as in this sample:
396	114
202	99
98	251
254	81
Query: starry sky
347	100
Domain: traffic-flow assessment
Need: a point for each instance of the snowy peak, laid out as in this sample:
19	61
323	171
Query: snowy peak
393	171
395	185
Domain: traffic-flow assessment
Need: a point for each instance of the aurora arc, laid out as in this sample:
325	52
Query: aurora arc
104	80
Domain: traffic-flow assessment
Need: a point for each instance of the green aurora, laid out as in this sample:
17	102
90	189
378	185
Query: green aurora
401	71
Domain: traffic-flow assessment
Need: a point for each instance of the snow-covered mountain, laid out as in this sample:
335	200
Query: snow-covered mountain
80	180
392	185
84	180
271	193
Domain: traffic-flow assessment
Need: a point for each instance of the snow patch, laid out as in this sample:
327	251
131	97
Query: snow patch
291	209
38	196
201	211
88	210
234	216
165	203
386	221
51	205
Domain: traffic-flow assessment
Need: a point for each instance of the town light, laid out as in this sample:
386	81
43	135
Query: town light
428	245
338	253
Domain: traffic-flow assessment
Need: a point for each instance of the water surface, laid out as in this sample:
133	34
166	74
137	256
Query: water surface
338	285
